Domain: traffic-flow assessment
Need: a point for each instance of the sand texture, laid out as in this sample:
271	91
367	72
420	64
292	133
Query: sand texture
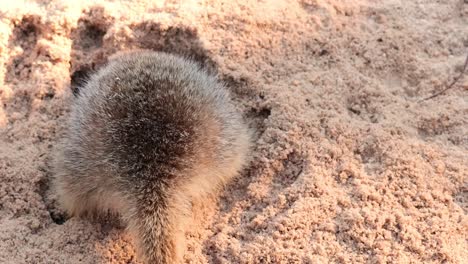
349	165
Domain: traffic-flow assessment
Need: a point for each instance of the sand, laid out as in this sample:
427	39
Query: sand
349	165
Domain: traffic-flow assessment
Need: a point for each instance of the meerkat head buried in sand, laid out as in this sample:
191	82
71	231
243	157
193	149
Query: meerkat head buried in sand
148	133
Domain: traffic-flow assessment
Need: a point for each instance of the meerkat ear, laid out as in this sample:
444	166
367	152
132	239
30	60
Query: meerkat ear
79	79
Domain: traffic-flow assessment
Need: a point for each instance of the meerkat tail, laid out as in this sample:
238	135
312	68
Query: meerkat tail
157	224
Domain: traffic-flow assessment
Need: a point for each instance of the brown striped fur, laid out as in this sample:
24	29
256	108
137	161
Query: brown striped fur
148	133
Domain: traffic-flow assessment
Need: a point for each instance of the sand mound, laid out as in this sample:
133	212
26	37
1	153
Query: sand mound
349	165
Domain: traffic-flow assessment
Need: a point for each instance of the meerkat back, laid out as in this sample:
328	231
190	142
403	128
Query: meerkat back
147	134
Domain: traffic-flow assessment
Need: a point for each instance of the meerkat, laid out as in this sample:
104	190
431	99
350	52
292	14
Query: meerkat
148	133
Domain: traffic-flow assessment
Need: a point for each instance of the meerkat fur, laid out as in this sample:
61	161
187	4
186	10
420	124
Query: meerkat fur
149	133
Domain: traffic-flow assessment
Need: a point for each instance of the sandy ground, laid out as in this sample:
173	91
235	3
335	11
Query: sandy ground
349	165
